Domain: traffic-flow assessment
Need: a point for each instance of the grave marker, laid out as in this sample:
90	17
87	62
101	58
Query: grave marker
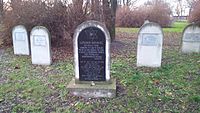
191	39
40	46
20	40
92	62
150	41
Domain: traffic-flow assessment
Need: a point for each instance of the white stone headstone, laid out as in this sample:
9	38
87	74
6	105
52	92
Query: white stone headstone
150	42
40	46
191	39
20	40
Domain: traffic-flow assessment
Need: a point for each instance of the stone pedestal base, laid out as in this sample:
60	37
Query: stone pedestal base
91	90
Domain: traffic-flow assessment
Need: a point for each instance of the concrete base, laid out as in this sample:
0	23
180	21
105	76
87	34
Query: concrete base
91	90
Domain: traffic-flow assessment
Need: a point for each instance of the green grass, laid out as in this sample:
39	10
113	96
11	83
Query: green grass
177	27
172	88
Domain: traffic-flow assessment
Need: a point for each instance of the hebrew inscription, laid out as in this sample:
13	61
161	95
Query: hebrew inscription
91	50
150	39
192	37
20	36
39	40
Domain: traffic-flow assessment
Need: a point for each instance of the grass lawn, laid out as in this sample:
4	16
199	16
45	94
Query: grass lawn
177	27
172	88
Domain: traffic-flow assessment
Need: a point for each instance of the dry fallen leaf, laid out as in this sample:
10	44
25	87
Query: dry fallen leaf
17	66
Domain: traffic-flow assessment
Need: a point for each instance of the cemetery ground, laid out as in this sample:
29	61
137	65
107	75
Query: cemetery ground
172	88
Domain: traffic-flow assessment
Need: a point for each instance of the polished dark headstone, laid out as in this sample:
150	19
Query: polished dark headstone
92	55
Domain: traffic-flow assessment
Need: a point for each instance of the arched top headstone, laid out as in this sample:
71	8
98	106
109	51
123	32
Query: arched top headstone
42	34
151	27
192	29
92	23
41	46
19	28
20	40
191	39
41	29
148	32
92	52
150	41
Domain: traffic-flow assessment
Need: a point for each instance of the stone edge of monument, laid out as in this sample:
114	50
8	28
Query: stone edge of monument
182	39
188	26
93	91
95	82
139	33
150	24
39	27
28	40
101	26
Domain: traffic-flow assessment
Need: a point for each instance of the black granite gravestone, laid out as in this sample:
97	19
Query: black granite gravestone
92	55
92	62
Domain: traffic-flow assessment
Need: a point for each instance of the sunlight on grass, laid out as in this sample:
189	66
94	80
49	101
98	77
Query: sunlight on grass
177	27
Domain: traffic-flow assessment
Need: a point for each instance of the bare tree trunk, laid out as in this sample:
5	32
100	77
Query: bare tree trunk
113	14
1	8
124	2
95	10
127	2
78	16
109	12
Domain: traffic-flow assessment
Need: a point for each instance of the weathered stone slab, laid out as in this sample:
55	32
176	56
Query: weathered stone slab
92	91
40	46
191	39
20	40
150	42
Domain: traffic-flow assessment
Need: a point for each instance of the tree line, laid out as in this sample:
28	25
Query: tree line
61	17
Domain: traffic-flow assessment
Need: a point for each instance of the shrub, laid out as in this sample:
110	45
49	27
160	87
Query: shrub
59	18
195	13
158	12
129	18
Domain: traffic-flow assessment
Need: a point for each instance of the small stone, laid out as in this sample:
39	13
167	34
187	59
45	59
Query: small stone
92	83
17	66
